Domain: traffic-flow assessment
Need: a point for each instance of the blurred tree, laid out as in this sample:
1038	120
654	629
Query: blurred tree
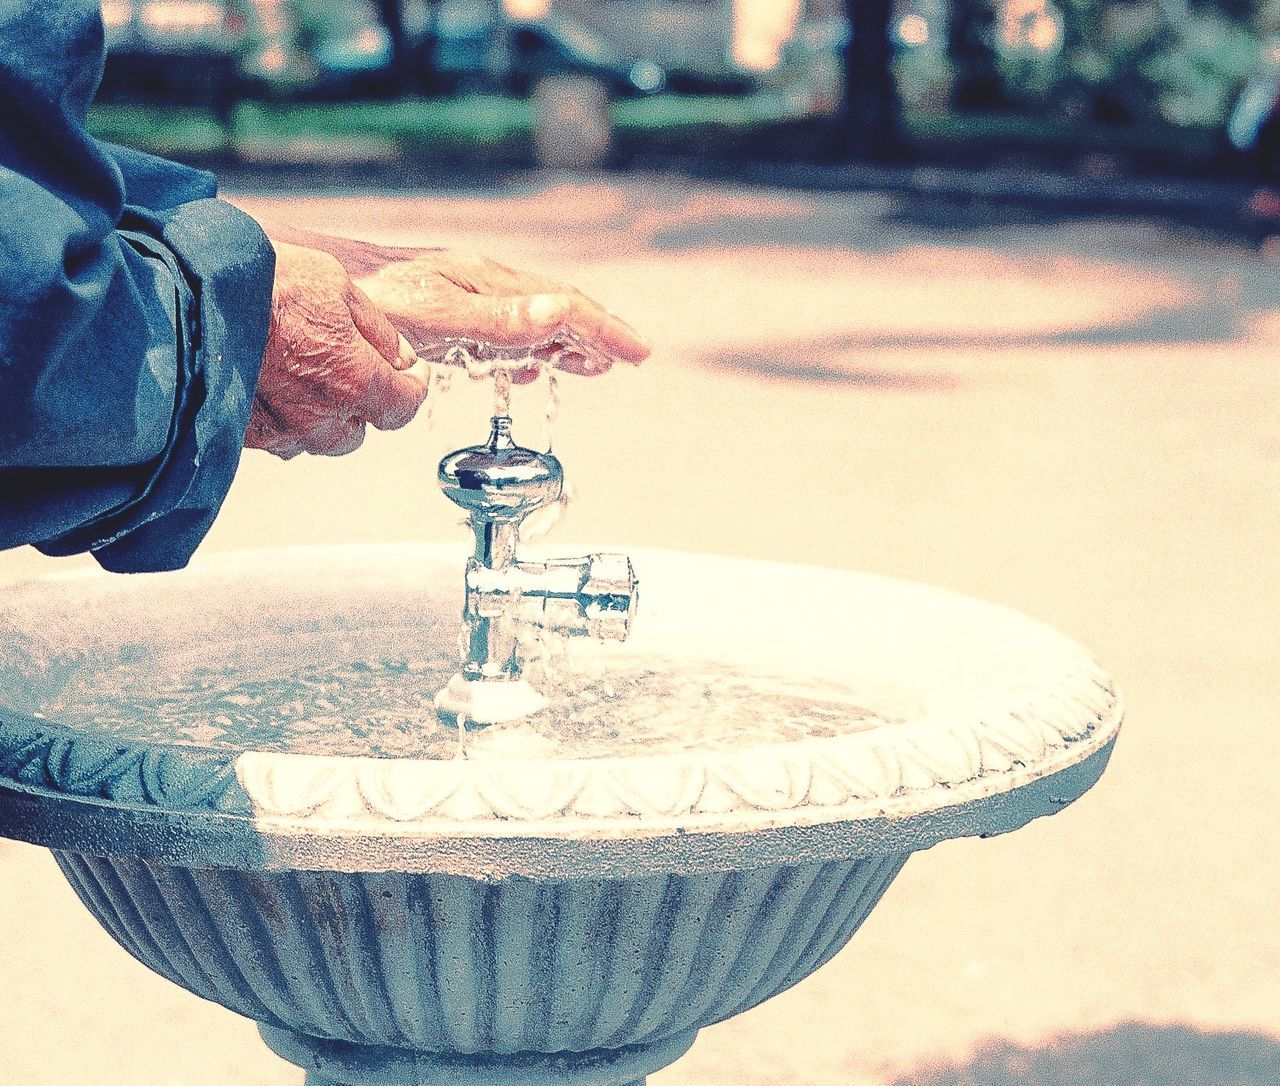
391	13
413	29
869	128
971	39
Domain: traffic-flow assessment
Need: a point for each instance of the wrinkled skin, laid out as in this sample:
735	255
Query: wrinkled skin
353	326
333	363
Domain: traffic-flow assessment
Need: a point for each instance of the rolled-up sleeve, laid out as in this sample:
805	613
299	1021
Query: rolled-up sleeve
133	314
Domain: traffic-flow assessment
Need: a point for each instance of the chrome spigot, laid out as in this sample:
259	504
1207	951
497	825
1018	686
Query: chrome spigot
499	484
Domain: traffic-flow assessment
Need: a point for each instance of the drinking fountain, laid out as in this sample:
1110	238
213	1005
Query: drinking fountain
499	484
271	780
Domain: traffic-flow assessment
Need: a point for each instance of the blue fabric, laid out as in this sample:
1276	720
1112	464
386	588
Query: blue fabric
133	315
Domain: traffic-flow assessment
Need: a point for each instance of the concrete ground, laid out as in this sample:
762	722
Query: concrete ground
1080	420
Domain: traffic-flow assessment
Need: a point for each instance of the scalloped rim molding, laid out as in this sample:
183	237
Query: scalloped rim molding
897	770
1020	723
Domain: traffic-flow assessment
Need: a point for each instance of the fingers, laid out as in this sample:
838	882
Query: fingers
540	318
408	356
582	365
447	296
390	399
374	327
372	324
333	363
576	358
398	379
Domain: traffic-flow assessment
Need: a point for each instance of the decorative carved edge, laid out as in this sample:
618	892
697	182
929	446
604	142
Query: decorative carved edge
878	771
37	755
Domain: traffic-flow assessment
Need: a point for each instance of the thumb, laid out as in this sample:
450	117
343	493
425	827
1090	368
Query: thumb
394	394
372	324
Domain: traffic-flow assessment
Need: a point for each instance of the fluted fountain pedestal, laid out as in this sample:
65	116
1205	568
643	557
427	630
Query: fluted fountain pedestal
240	773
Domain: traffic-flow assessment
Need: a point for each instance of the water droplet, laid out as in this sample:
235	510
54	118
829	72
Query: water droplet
439	383
552	408
502	391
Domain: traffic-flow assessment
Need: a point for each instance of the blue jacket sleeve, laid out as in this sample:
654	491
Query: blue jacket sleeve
133	315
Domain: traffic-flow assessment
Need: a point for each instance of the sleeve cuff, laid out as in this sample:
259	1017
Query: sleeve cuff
223	266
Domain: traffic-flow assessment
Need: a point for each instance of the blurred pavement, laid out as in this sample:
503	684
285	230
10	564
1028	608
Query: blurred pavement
1080	420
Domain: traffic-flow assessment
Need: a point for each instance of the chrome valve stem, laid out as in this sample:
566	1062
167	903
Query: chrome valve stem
500	483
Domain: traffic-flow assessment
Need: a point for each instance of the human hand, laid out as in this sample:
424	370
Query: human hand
441	299
333	362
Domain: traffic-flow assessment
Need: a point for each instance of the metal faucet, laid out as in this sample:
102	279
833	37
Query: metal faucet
499	484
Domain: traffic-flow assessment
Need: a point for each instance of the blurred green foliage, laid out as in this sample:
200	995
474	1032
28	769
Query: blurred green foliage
468	124
1150	61
474	122
1142	61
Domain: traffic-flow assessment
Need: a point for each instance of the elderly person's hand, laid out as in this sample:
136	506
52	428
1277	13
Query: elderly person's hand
333	363
353	322
440	298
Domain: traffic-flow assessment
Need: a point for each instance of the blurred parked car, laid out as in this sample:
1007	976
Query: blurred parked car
560	45
173	50
475	48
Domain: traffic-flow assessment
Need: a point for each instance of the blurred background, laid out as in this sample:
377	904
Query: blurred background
1096	88
979	294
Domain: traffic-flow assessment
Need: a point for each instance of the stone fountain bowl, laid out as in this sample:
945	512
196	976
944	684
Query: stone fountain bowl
240	774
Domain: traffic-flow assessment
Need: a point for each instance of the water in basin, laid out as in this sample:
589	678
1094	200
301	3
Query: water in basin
321	695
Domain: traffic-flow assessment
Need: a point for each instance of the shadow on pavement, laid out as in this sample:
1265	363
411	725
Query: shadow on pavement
884	222
1132	1054
801	360
1210	322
